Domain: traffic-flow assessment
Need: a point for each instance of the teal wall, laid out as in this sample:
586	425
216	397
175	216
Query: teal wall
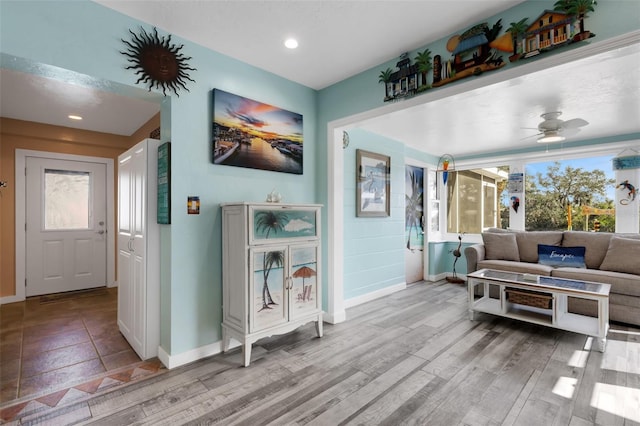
441	258
84	37
362	93
373	246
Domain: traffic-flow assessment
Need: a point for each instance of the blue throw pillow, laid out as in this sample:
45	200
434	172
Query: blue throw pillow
572	257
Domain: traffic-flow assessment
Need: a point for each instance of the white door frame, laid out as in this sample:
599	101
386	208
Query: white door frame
21	235
335	158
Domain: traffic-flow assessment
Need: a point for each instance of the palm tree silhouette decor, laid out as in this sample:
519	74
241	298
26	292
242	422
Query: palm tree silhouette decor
517	29
423	61
413	207
269	220
385	77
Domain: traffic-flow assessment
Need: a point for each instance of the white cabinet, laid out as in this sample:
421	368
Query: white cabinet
270	271
138	249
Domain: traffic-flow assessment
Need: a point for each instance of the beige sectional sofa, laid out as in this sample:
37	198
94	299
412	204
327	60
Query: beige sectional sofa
608	258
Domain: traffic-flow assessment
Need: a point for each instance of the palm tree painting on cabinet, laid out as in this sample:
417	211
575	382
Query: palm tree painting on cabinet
273	224
269	287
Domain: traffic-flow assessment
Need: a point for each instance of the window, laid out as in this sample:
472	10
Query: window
434	200
576	192
66	199
473	199
573	194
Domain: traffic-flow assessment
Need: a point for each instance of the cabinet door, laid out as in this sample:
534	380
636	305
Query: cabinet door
283	223
268	301
304	279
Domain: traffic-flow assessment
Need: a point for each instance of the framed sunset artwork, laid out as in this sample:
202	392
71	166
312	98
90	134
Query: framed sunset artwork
252	134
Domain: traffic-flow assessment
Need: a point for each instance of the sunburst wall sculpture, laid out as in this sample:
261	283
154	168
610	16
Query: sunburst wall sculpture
158	62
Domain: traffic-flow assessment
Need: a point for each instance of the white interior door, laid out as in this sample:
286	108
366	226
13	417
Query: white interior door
66	214
131	246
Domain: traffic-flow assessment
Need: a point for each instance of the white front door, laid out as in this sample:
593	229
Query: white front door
66	214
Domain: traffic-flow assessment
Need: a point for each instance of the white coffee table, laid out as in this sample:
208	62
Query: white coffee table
558	289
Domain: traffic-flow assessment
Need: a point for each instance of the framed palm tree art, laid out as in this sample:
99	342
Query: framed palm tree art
372	184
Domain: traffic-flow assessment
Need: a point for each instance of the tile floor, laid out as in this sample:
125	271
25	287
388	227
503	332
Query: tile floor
48	343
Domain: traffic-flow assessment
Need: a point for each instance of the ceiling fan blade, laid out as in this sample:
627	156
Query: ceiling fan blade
567	133
532	137
574	123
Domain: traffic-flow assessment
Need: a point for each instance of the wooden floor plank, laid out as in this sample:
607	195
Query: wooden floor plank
392	401
411	358
361	397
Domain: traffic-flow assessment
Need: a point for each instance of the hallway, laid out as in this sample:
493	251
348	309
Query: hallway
55	342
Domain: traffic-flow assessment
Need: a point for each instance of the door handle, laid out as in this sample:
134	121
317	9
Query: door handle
100	232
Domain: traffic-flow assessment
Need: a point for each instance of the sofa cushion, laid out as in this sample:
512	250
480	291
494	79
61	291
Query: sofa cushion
623	255
561	256
619	312
528	243
499	246
625	300
511	266
596	244
621	283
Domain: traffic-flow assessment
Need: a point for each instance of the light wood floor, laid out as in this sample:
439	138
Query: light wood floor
412	358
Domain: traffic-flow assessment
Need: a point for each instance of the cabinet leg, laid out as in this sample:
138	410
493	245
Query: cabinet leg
319	327
601	344
246	351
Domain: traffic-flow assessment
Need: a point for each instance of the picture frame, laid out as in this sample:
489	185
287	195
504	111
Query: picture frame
251	134
373	186
163	215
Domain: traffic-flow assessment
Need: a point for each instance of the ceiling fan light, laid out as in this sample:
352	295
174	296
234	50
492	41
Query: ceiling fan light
550	137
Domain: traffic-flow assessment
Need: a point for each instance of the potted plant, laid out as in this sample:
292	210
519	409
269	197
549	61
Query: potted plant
579	9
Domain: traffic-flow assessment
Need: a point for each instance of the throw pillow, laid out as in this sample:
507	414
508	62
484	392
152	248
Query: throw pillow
500	246
622	256
572	257
528	243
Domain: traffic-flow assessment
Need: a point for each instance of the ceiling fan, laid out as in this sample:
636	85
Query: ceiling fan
552	129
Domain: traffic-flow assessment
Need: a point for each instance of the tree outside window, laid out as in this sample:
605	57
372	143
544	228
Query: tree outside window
575	194
557	194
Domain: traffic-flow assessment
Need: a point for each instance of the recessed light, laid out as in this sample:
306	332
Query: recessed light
291	43
75	117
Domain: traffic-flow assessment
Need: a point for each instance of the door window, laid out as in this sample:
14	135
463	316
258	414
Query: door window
66	199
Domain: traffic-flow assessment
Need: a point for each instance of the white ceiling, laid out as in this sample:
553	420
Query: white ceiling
337	39
603	89
50	101
337	42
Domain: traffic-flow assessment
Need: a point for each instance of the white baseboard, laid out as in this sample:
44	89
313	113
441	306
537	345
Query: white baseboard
444	275
173	361
11	299
358	300
437	277
335	318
